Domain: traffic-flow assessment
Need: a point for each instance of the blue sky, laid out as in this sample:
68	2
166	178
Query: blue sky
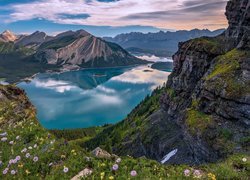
110	17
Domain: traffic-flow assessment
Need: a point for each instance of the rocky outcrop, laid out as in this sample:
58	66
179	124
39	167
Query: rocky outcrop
203	110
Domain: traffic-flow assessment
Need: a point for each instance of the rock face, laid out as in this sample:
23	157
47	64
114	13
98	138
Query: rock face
83	50
203	111
7	36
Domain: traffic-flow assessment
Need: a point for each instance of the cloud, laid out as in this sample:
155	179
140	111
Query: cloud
158	13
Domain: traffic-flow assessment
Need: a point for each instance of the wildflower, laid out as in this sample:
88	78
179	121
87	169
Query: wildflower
102	175
27	155
14	161
10	161
211	176
103	164
18	158
111	177
13	172
18	137
35	159
35	146
50	164
72	151
118	160
11	142
3	134
27	171
20	165
63	156
65	169
24	150
244	159
5	171
30	148
4	139
115	167
197	174
187	172
133	173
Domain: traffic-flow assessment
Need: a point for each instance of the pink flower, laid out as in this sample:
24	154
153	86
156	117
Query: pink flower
11	142
18	158
133	173
197	173
5	171
10	161
187	172
35	159
115	167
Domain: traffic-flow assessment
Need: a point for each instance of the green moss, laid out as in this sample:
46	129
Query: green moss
226	74
197	121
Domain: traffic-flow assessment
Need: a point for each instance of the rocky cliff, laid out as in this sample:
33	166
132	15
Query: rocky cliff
203	111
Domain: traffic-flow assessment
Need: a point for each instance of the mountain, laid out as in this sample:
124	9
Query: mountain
161	43
202	113
83	50
33	40
66	51
7	36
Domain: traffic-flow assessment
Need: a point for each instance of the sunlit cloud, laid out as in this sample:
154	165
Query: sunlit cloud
175	14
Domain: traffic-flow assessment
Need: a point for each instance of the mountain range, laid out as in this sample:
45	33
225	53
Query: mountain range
161	43
66	51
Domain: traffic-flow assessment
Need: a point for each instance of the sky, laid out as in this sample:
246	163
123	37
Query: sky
111	17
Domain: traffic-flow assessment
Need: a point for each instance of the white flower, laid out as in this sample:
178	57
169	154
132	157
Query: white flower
11	142
118	160
4	139
50	164
244	159
3	134
35	146
30	147
65	169
35	159
27	155
18	137
24	150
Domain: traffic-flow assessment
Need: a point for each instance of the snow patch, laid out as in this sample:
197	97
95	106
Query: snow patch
168	156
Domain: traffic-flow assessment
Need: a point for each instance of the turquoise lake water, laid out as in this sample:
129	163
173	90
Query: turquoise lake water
90	97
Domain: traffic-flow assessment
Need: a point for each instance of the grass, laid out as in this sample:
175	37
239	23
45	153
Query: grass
198	121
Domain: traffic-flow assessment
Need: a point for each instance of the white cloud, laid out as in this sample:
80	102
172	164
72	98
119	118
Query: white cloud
101	13
58	86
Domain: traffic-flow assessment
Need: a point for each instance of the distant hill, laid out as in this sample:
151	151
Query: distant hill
161	43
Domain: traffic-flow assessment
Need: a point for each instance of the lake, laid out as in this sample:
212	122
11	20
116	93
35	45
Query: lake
92	97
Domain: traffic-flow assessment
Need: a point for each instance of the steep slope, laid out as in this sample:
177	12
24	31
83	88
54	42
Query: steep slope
7	36
203	111
82	49
161	43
